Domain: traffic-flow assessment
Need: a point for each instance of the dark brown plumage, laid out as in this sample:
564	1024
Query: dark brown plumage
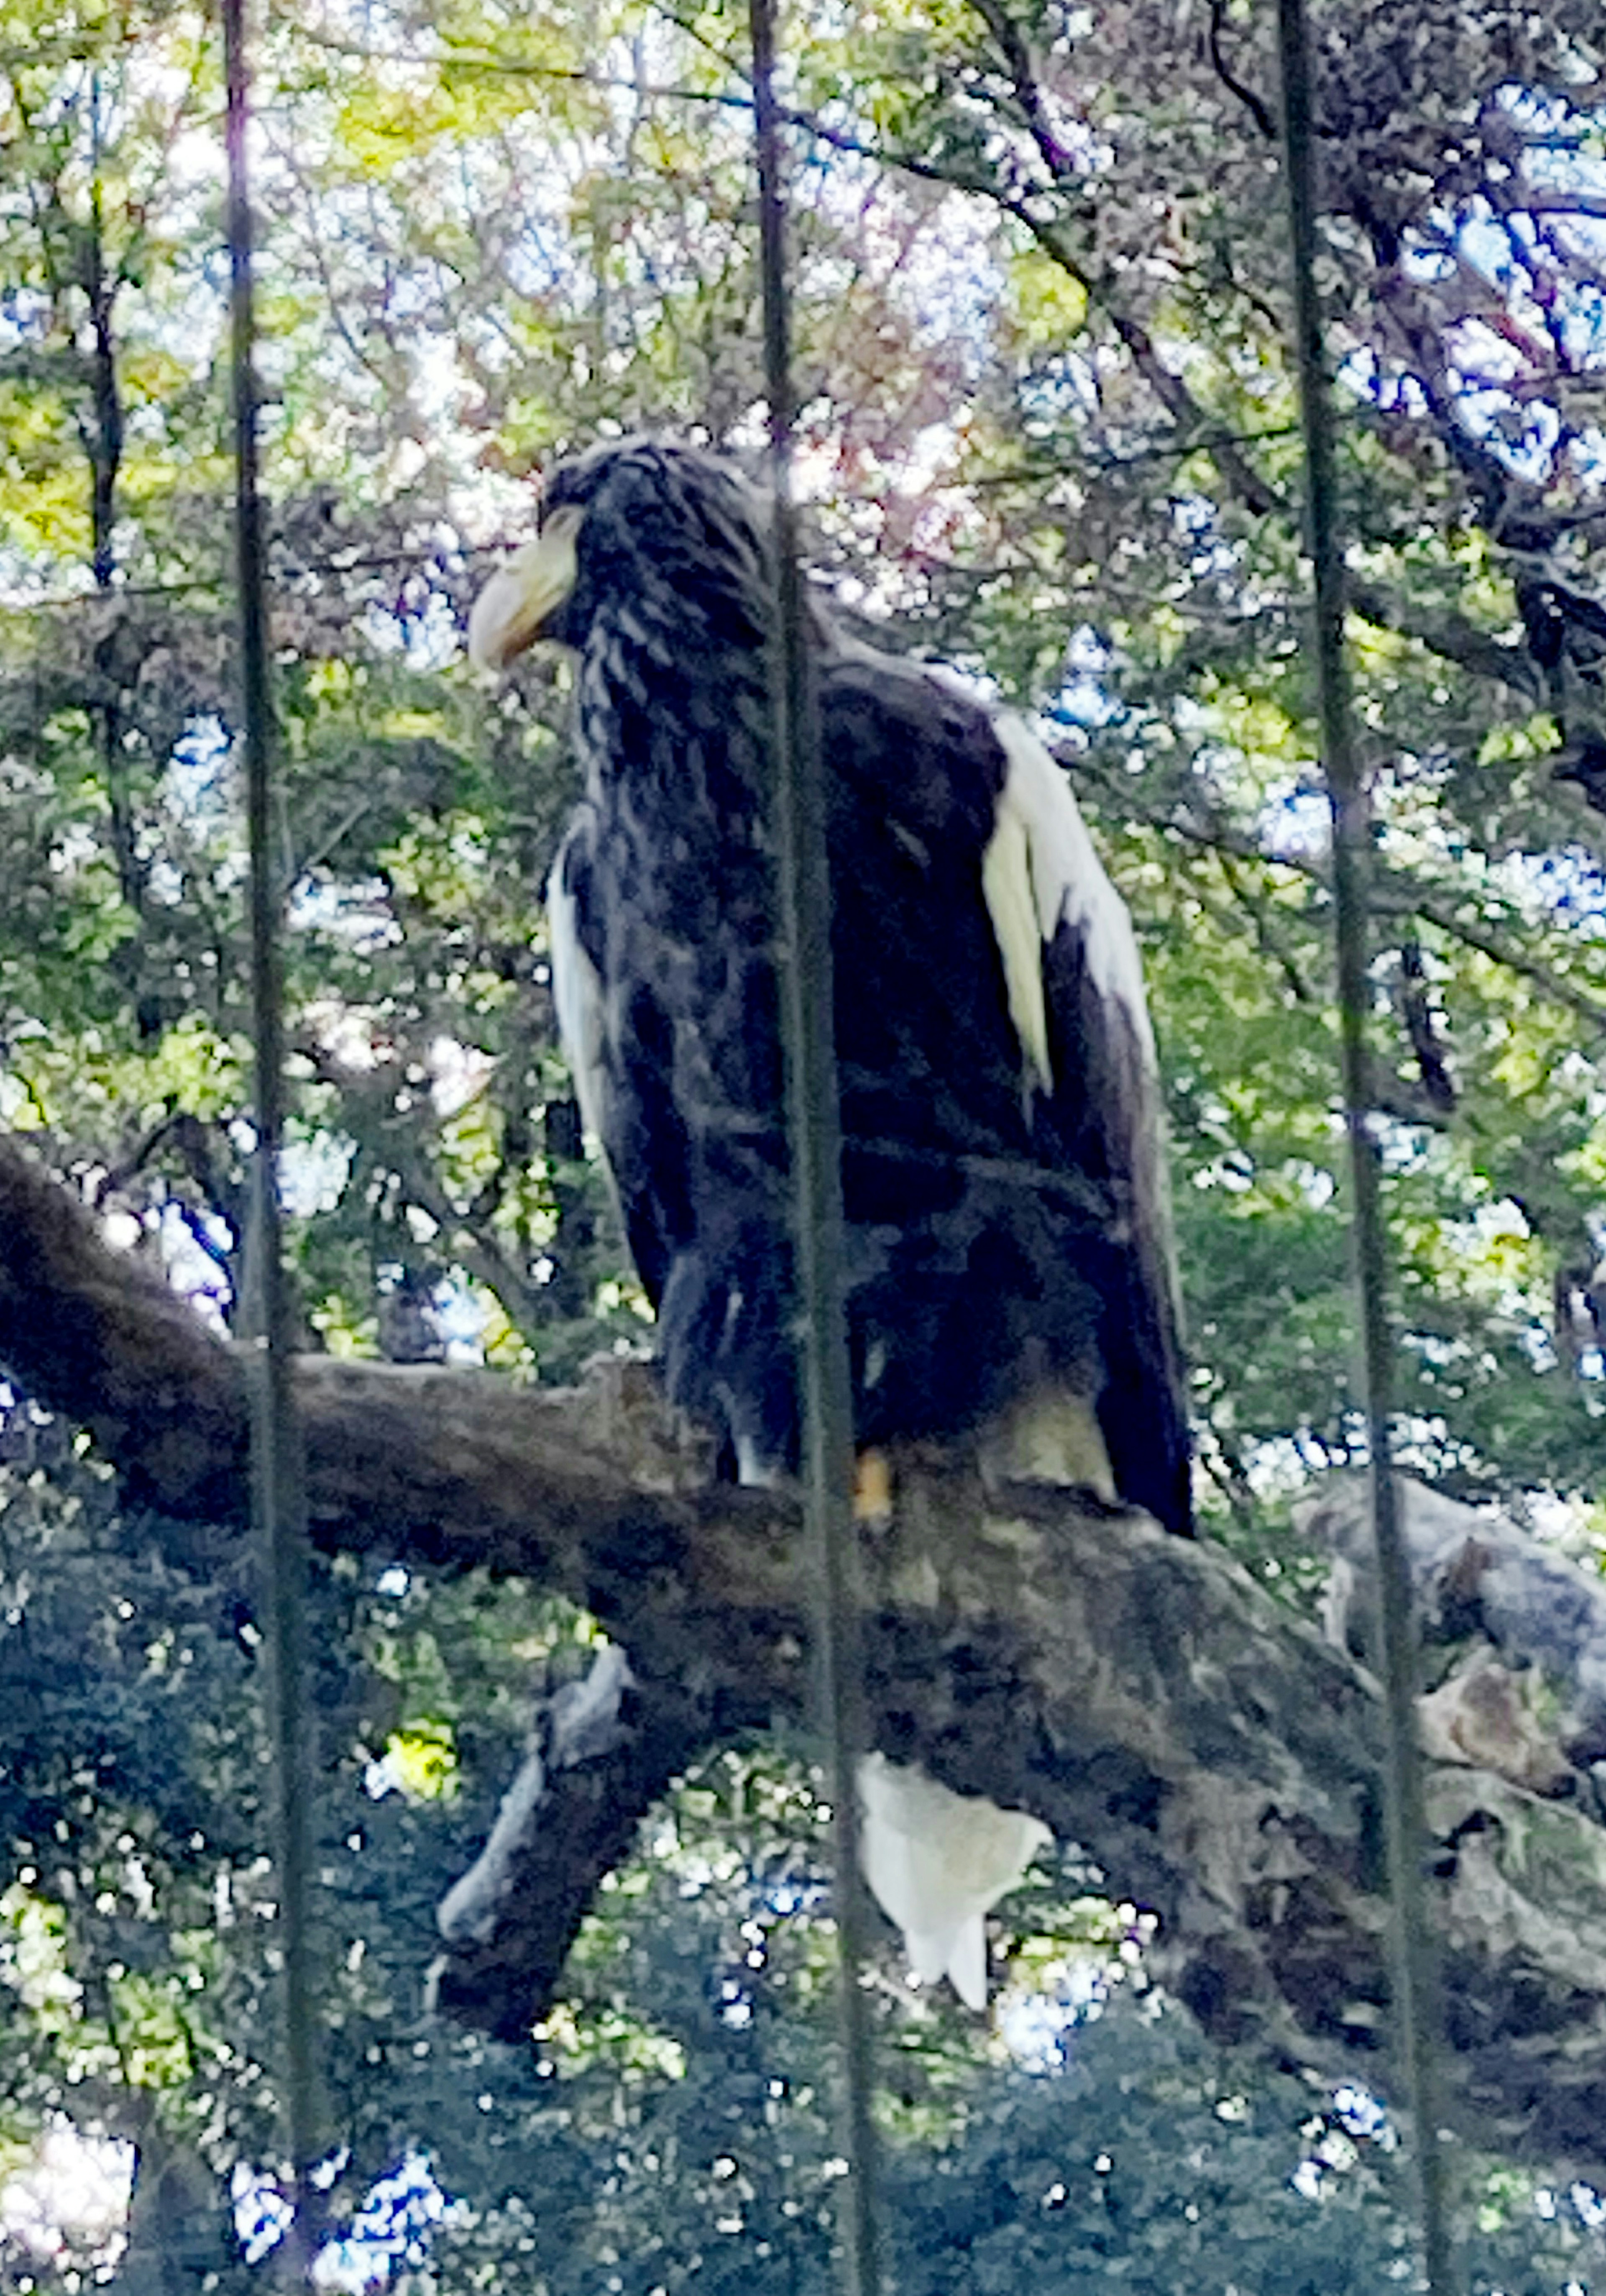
1008	1263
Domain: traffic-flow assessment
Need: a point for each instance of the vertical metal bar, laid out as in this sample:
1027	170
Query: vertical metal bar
1418	2007
804	884
277	1478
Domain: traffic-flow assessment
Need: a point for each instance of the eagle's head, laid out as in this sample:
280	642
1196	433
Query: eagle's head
669	531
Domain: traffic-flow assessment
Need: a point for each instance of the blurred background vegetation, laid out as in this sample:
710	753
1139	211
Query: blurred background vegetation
1048	434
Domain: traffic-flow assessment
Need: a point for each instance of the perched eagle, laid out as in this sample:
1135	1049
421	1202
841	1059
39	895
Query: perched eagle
1008	1271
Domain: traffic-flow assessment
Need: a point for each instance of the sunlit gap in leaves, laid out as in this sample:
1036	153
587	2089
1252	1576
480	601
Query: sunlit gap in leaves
1353	2117
193	1250
1035	2027
197	775
1355	2120
1522	432
64	2201
389	2235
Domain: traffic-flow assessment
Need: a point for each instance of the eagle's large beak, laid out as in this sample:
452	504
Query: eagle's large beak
520	595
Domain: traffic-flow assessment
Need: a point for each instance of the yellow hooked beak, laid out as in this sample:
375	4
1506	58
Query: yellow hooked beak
519	596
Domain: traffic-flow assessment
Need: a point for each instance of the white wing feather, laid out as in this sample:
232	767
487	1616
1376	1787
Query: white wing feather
1040	871
578	998
1008	889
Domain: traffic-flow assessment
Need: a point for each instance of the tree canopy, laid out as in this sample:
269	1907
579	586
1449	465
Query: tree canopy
1040	304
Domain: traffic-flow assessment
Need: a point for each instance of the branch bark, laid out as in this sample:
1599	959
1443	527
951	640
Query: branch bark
1142	1694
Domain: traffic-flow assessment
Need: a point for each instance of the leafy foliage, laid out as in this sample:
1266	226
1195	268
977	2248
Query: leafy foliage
1041	307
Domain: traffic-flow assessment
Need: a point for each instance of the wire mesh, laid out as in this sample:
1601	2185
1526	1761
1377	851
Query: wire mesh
805	903
1415	1991
278	1494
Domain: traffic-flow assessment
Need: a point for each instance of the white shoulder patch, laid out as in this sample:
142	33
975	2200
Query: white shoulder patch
1008	887
576	995
1040	871
937	1862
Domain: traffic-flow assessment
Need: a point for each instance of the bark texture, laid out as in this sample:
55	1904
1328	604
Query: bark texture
1140	1693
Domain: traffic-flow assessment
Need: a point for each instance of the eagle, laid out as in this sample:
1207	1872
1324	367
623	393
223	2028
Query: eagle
1008	1276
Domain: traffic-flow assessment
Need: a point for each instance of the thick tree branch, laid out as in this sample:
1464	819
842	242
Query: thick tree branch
603	1751
1139	1692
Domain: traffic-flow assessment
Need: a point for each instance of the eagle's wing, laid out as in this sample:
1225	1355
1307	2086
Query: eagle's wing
990	1014
1076	991
999	1093
666	1007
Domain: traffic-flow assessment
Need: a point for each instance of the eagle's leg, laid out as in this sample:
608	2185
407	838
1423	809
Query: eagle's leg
872	1477
872	1487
